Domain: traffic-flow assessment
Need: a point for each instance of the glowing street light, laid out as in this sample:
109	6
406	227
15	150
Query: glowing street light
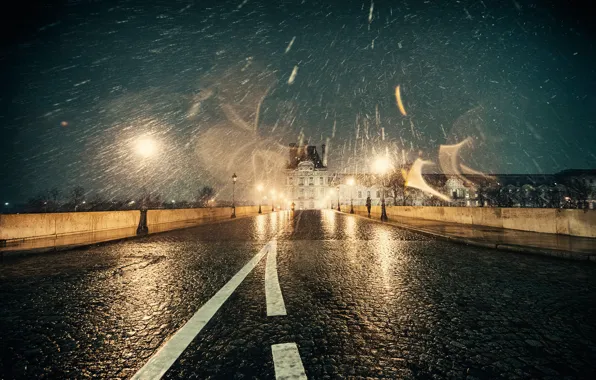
272	192
350	183
145	146
381	166
259	189
338	207
76	206
234	178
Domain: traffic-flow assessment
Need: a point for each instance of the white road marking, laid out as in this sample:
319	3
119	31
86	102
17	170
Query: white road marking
275	300
287	362
163	359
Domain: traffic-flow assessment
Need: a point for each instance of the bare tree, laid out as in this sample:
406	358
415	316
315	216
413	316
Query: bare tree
397	186
55	198
77	195
39	203
579	191
205	194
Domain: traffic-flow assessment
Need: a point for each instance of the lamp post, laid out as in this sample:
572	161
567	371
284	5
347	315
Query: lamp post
77	206
338	208
381	166
259	189
234	178
350	183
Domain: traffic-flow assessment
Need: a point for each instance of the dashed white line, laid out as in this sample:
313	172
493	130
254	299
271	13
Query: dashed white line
163	359
275	300
287	362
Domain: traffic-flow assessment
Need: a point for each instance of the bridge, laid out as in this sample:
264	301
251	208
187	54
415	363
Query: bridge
309	294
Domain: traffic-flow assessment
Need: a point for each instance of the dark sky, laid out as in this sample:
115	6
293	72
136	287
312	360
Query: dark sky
84	81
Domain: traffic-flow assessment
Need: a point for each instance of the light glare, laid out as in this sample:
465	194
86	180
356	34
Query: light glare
146	147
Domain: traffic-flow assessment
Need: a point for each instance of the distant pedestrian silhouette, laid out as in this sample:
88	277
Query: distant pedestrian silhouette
368	204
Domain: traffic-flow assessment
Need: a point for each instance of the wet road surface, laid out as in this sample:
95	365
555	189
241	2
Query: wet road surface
356	299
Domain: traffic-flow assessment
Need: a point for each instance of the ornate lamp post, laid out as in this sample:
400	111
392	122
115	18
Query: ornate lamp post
234	178
338	208
381	166
350	183
272	200
259	189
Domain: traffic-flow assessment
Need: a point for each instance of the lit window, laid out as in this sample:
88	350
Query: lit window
301	181
321	181
311	181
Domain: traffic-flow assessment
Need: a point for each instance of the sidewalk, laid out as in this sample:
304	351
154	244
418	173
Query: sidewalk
563	246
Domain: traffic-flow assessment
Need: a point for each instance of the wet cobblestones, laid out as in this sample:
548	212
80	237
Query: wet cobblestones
364	300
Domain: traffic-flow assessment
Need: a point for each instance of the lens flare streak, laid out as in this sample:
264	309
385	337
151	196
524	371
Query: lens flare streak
400	104
415	180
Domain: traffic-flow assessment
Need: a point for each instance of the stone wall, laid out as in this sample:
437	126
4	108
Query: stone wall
15	227
32	226
552	221
166	220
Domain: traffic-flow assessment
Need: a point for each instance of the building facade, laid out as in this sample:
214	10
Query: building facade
309	185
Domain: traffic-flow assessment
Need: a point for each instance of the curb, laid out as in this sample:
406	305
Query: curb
567	255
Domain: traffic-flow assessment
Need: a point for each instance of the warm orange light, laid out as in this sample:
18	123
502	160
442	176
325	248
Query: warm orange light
400	104
381	165
146	146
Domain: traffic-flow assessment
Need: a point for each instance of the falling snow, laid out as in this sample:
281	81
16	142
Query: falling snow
211	90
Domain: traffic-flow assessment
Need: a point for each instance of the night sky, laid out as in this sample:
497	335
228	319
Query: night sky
85	82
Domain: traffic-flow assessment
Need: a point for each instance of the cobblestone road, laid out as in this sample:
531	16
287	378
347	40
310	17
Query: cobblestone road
363	300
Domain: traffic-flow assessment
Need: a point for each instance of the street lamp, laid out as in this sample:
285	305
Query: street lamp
76	206
234	178
146	146
350	183
381	166
272	199
338	208
259	189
